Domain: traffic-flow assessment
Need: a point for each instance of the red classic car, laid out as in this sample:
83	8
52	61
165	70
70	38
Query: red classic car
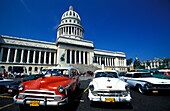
49	91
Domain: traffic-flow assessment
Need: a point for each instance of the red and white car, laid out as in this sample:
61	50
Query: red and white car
49	91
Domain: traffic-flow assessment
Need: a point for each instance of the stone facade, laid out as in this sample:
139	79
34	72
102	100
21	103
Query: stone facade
70	49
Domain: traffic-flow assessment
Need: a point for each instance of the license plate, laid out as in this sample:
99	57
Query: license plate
34	103
10	90
110	100
155	91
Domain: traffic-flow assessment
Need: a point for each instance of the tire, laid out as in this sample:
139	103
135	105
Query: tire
140	89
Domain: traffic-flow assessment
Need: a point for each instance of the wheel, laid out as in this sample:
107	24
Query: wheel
140	89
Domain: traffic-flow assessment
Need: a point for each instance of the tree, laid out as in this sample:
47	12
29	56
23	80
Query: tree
129	61
136	64
166	62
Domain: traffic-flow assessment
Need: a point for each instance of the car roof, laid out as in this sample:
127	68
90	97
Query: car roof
135	72
105	71
164	70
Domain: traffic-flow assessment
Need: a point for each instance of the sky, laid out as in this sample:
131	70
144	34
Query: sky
139	28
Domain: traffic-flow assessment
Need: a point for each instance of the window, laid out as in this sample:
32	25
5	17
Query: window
36	69
30	69
65	20
73	14
70	20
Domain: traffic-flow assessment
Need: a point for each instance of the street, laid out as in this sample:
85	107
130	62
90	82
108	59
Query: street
140	102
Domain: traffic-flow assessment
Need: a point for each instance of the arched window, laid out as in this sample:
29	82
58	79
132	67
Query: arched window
9	68
73	14
36	69
30	69
70	13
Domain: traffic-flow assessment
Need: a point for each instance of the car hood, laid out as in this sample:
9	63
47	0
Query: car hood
48	83
153	80
105	83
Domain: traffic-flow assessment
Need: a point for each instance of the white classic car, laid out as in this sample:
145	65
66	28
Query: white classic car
107	87
144	82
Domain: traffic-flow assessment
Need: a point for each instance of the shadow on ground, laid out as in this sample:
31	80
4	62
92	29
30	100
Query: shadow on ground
111	105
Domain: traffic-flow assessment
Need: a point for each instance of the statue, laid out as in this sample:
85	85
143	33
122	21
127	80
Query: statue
62	57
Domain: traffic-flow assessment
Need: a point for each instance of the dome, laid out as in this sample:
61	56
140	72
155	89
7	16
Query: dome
70	25
70	14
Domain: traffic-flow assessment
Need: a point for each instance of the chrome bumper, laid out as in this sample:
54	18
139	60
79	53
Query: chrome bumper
42	102
103	98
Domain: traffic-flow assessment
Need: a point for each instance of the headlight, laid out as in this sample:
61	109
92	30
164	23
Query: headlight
21	87
22	96
148	85
94	93
127	88
60	89
7	86
91	87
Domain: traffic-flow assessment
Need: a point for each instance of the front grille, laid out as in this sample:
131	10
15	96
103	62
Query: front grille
161	85
109	93
39	94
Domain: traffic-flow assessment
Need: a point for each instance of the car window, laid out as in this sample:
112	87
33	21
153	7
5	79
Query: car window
146	75
128	75
106	74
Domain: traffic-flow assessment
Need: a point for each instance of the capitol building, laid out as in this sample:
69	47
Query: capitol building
70	49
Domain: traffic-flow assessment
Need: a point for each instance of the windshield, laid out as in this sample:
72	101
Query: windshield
58	72
138	75
30	77
106	74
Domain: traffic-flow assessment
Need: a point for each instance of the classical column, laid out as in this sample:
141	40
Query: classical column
75	55
8	55
100	60
88	58
28	56
15	55
2	49
65	56
79	57
22	56
68	30
70	56
49	57
44	57
105	61
39	58
71	30
54	58
34	57
97	59
84	58
112	62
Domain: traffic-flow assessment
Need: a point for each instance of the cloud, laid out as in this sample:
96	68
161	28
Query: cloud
25	6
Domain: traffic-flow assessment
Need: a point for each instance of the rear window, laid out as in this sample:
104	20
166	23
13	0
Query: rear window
106	74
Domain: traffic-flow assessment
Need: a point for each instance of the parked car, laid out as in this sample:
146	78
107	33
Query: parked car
3	83
107	87
165	72
13	87
144	82
54	90
122	74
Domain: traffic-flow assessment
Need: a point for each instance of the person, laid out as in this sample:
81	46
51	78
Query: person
15	74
